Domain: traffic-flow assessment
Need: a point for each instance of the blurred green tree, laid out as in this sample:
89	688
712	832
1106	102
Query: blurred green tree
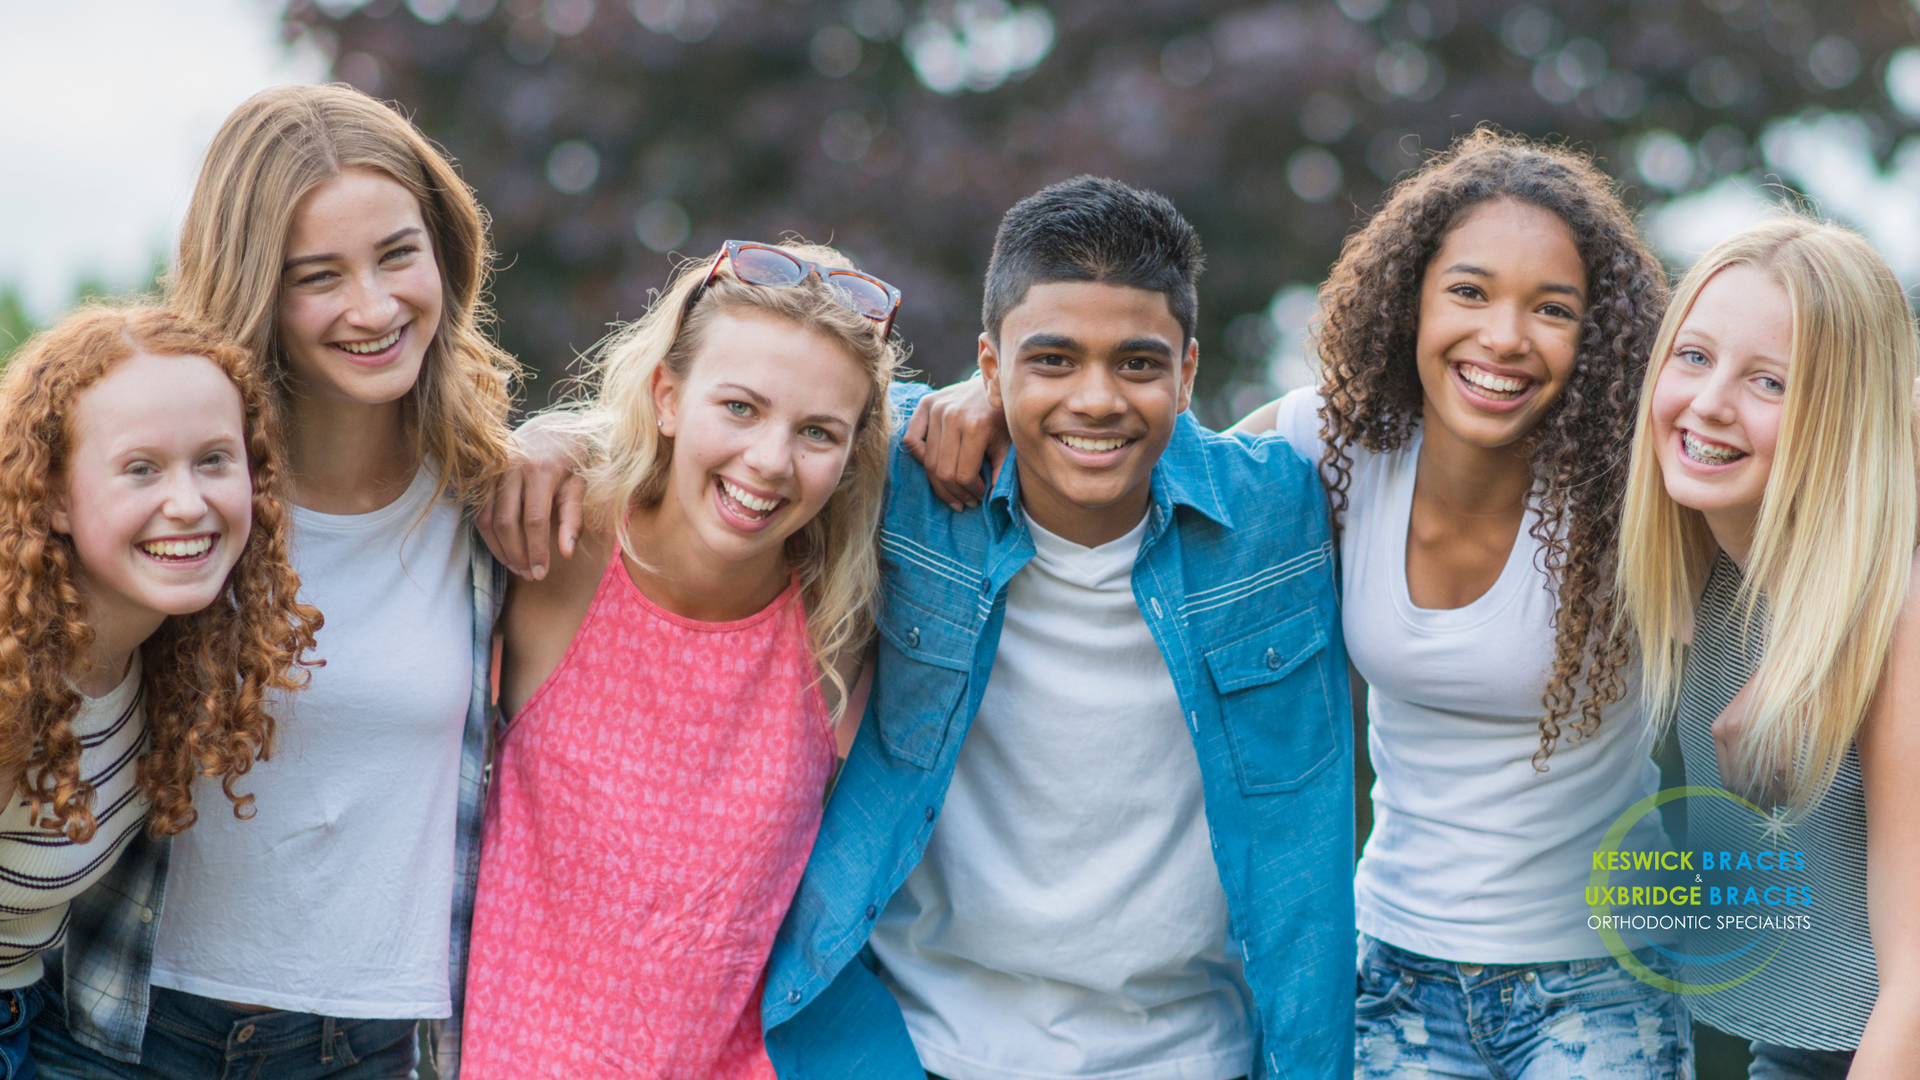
15	325
604	135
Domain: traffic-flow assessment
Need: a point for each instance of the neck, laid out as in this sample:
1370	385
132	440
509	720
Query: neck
1088	526
347	457
118	629
685	576
1468	480
1733	531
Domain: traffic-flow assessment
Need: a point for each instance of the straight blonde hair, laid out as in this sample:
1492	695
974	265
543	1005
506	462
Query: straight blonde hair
280	145
837	553
1834	541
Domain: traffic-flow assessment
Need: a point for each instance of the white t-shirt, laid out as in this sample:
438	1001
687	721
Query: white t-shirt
1067	919
1474	855
337	897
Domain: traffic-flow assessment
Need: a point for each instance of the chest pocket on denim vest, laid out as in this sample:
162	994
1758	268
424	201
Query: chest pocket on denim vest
924	662
1275	704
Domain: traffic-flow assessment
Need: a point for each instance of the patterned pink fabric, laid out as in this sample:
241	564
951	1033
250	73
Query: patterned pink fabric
653	807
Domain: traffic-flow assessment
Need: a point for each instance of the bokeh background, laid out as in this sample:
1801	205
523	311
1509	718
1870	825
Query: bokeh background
609	137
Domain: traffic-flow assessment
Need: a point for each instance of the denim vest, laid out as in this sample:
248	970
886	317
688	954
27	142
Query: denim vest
1236	581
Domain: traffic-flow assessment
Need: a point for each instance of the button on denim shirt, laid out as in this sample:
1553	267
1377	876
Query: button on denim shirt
1235	579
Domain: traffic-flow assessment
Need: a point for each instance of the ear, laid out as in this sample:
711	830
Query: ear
1189	367
665	391
990	371
59	515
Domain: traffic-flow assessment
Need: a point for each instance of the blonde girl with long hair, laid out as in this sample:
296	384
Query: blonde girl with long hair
346	255
676	689
149	610
1767	553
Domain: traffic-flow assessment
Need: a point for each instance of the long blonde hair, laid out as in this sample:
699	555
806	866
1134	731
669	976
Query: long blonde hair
1835	537
276	147
836	554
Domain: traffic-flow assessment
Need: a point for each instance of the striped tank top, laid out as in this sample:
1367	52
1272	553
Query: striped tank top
1818	982
653	806
40	869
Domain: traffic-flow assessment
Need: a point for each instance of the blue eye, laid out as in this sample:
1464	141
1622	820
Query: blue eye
1773	385
739	408
1693	357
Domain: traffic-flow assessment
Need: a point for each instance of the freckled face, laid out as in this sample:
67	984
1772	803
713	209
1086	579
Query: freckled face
157	497
762	427
1500	311
360	295
1717	401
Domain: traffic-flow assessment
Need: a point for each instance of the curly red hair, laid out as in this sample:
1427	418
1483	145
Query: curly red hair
206	675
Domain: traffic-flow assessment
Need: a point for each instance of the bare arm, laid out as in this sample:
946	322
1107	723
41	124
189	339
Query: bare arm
540	488
541	616
1889	745
1259	421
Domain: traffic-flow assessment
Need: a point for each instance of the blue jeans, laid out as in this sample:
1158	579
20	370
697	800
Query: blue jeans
1774	1062
16	1021
194	1038
1576	1020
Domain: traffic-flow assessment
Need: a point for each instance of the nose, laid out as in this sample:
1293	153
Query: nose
1503	330
770	454
1715	400
1096	393
370	304
184	502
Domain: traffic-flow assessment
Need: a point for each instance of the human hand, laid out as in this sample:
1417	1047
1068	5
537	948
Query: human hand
954	431
543	484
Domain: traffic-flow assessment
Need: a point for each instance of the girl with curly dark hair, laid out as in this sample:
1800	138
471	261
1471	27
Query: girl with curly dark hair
148	608
1483	339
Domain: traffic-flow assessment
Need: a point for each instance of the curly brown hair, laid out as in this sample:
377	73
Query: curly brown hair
206	676
1371	386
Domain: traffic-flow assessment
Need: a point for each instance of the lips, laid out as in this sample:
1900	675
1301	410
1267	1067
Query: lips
1098	448
373	350
1492	386
747	507
1708	452
178	549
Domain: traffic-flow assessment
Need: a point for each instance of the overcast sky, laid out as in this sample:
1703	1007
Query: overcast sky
106	107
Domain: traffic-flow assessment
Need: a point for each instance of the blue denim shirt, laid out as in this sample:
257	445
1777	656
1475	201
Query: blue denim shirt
1236	581
107	965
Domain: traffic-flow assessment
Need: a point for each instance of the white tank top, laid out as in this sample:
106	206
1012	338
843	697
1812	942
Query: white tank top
337	897
1474	855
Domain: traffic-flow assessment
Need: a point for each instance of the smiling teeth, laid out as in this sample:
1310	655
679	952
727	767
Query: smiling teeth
1486	380
366	348
1709	453
178	549
751	502
1093	446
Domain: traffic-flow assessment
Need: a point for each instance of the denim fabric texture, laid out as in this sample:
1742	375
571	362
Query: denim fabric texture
112	926
1775	1062
16	1032
189	1037
1572	1020
1236	581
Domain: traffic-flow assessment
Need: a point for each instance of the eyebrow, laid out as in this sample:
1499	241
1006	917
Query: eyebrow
1478	271
1049	341
1152	345
291	263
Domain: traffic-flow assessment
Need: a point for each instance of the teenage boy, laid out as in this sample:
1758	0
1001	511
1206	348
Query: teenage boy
1098	818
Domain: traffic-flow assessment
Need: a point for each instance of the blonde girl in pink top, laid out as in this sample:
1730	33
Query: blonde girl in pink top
674	688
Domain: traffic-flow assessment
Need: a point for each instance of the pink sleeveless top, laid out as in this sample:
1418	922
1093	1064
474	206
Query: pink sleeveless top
652	810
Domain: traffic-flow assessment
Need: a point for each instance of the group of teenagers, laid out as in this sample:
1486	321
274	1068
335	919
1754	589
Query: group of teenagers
757	714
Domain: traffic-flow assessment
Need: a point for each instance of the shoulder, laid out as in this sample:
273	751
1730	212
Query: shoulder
568	586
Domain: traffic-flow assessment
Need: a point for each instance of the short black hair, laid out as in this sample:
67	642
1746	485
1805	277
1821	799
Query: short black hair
1091	228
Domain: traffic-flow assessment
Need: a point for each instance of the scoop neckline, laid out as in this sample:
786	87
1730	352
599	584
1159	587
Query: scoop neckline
1481	609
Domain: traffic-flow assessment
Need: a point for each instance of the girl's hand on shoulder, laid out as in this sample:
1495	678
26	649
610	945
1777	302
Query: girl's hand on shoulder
953	432
542	486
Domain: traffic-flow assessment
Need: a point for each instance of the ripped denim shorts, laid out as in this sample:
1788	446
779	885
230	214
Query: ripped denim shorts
1573	1020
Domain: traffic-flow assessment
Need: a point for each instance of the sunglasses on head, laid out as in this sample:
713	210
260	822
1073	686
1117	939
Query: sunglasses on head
763	264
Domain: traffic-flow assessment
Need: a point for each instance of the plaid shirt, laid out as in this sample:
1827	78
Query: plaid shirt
112	926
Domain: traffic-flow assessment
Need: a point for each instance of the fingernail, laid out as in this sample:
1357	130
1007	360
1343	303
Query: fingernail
955	507
539	573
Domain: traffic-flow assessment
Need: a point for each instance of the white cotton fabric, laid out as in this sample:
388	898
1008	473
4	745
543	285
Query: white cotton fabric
337	896
1067	919
1474	855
